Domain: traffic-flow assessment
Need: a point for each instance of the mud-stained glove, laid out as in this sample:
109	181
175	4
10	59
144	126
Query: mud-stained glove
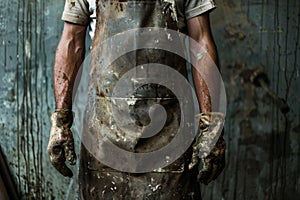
61	142
209	147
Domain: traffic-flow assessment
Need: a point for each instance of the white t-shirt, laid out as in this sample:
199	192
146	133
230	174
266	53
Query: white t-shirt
83	12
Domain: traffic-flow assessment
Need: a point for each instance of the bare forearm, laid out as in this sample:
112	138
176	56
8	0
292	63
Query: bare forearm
206	65
68	59
199	30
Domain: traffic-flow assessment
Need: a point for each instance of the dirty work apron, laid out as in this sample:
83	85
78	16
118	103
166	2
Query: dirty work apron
97	181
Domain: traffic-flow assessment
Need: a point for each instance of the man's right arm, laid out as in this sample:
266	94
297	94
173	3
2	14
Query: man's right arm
68	59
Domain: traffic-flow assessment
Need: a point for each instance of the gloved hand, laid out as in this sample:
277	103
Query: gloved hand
212	157
61	142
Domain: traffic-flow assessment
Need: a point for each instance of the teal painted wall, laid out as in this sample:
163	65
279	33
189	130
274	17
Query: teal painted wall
263	155
30	31
263	143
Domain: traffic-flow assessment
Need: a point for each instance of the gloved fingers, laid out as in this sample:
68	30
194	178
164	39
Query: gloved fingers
62	168
205	173
203	177
215	166
220	157
220	165
58	159
61	143
70	151
195	157
193	162
213	173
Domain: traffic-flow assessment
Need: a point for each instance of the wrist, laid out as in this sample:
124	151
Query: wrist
63	107
62	118
207	119
63	110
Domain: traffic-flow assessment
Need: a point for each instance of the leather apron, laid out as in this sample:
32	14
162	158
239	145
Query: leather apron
97	181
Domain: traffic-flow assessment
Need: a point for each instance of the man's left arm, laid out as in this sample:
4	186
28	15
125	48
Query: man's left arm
206	60
200	31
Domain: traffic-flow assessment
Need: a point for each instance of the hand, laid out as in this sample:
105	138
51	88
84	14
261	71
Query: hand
61	142
212	157
214	163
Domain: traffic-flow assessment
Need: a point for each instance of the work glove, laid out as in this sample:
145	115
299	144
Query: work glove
211	154
61	142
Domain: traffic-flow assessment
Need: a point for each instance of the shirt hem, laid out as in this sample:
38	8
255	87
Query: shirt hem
76	19
199	10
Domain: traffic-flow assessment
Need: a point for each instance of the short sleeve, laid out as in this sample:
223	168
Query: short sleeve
194	8
77	12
